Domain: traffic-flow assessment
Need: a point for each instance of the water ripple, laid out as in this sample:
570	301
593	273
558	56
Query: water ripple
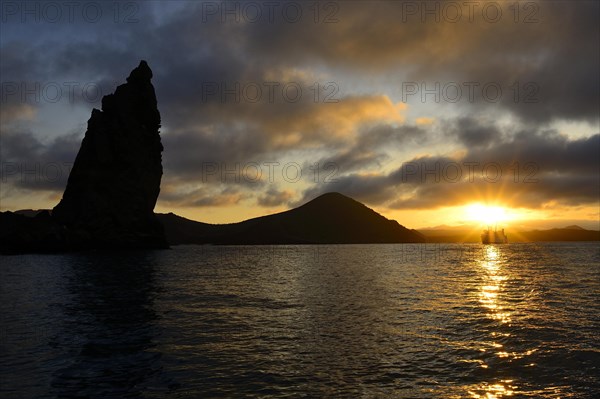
402	321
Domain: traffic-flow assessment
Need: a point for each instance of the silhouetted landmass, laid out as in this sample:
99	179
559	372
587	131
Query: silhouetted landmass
329	219
113	185
574	227
23	234
569	233
566	234
31	212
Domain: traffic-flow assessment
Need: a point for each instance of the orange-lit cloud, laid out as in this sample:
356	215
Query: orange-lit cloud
424	121
10	113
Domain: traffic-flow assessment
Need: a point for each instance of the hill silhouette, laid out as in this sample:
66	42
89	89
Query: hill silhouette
331	218
573	227
566	234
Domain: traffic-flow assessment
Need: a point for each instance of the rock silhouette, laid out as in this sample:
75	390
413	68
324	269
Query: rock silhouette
115	181
25	234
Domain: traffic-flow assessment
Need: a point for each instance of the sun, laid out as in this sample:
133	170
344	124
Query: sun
486	214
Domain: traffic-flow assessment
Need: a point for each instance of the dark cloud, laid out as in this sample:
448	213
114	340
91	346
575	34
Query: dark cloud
552	152
353	159
188	49
372	189
541	50
372	147
202	155
215	200
474	133
274	197
30	164
199	197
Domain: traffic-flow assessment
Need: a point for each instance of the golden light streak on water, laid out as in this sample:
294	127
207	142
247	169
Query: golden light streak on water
490	296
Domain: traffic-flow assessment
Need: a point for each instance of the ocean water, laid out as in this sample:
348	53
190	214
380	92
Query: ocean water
352	321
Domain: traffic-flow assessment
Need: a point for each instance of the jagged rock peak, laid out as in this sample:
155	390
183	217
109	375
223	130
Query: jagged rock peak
115	181
142	73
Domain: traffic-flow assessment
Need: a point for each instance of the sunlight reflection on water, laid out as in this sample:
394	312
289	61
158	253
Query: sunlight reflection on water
416	321
491	299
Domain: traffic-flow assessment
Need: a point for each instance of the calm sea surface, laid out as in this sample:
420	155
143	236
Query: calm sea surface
355	321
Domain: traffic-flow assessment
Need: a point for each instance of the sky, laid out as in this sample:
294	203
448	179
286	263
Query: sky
423	111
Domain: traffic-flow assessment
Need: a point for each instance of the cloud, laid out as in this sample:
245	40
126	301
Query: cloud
13	113
199	197
29	164
373	146
222	199
474	133
372	189
236	137
424	121
205	71
399	47
505	52
274	197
